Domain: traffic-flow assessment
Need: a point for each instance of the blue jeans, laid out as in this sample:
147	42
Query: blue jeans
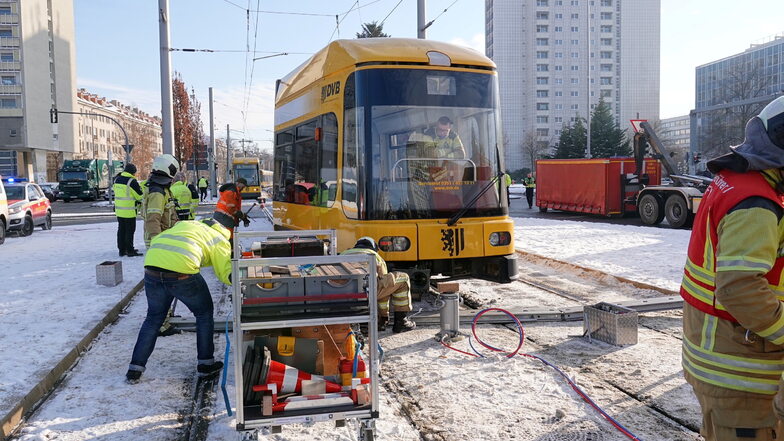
161	292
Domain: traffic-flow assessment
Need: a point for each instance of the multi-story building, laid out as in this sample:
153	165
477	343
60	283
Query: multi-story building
37	72
731	91
674	134
557	58
98	135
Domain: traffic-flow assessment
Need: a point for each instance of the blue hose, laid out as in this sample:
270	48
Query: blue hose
226	369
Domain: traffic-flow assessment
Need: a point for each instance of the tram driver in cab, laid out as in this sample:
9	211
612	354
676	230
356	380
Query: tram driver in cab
439	142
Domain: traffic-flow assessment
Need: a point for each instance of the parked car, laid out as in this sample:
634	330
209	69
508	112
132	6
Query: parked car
3	212
27	208
50	190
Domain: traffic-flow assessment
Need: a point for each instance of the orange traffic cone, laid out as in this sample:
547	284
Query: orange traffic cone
289	379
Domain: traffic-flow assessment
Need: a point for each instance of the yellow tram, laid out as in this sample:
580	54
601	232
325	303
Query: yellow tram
397	139
247	168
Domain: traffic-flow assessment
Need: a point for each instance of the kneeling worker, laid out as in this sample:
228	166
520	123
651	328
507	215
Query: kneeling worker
394	287
171	270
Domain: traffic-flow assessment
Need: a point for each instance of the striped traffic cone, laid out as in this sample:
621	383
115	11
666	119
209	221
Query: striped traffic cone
289	379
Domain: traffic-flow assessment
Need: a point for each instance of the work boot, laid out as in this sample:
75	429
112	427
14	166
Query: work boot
132	377
207	370
167	329
122	253
382	323
402	323
134	253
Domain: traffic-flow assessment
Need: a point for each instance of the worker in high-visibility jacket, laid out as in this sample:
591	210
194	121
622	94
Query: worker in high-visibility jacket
733	288
530	184
229	206
172	271
203	184
158	204
127	196
393	287
194	200
182	195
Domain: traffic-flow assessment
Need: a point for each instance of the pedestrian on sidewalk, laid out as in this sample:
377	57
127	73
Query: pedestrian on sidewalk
172	271
393	287
127	196
530	185
203	184
733	316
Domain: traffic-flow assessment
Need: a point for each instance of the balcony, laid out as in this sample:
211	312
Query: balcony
10	112
10	89
9	41
14	66
9	19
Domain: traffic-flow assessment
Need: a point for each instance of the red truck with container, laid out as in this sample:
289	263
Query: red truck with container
617	186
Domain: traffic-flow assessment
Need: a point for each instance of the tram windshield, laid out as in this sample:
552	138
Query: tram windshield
431	144
248	171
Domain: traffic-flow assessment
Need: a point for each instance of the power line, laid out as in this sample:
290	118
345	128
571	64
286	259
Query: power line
252	68
236	51
439	15
390	13
278	12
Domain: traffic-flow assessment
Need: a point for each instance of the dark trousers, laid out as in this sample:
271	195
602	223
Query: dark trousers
203	193
194	293
529	195
126	228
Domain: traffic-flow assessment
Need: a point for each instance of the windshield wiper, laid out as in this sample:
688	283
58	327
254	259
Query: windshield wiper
456	217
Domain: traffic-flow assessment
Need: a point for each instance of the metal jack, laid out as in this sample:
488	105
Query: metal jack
450	318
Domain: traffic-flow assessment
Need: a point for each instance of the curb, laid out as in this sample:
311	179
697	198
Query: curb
10	422
596	272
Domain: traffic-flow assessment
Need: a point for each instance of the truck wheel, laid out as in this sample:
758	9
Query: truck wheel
543	209
650	209
27	227
2	231
677	212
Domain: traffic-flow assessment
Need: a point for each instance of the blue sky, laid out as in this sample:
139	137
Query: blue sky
117	45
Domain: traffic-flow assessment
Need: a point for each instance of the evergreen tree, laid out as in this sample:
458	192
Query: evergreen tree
571	143
607	139
372	30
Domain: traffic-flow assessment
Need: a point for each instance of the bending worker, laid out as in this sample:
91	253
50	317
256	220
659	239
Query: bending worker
127	195
229	206
394	287
733	316
171	271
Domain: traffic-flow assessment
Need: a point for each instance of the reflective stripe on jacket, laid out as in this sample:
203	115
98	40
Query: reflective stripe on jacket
203	183
127	193
230	201
733	320
182	194
159	211
381	265
190	245
529	182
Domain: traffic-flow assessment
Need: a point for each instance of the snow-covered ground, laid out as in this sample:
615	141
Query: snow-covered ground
50	300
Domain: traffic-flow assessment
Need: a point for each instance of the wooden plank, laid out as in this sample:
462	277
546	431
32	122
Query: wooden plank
293	270
351	268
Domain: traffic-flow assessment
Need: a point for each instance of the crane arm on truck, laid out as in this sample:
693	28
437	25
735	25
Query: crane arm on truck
648	137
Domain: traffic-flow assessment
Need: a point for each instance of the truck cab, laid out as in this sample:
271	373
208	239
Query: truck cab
86	179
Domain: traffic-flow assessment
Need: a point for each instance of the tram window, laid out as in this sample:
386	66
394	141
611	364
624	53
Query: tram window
441	85
284	166
325	194
306	170
351	181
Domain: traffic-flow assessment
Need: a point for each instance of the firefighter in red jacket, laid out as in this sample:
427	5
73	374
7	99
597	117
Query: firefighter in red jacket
733	287
228	210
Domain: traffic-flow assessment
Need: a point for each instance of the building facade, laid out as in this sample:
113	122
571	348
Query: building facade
98	136
674	134
731	91
37	72
557	58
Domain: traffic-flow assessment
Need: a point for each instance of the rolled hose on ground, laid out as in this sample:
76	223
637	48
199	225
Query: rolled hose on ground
511	354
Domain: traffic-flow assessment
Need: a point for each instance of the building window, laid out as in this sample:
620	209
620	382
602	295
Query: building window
558	2
606	2
575	55
559	29
558	42
575	3
542	93
559	119
558	93
575	16
542	67
542	41
542	2
542	80
574	68
606	55
606	41
542	132
605	28
558	67
8	80
542	15
558	16
5	10
6	56
606	15
6	33
575	107
559	81
541	28
542	106
559	107
542	54
575	93
607	93
606	67
606	81
541	119
575	29
559	55
8	103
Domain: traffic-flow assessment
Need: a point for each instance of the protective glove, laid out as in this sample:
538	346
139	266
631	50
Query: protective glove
246	222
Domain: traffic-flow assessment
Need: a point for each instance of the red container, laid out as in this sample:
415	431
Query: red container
591	185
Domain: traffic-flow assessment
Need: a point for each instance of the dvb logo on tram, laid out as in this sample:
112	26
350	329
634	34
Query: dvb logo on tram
329	90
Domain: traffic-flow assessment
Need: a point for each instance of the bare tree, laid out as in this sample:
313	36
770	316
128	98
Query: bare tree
142	134
534	148
183	125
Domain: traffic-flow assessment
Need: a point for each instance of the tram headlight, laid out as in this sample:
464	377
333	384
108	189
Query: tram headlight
500	238
394	243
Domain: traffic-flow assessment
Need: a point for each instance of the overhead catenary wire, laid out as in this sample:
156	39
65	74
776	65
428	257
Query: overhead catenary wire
390	13
252	70
430	23
242	51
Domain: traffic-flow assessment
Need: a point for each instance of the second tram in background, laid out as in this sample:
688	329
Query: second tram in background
400	140
249	169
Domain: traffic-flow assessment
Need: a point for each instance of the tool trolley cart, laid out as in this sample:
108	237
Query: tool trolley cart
296	360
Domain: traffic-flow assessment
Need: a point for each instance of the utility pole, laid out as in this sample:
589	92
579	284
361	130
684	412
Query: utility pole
421	20
588	112
243	142
211	154
167	121
228	154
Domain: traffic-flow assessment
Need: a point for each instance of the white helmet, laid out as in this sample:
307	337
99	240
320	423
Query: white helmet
166	164
772	117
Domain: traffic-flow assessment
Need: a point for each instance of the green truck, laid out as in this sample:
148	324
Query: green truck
87	179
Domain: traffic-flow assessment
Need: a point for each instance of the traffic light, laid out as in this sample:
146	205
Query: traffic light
53	115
